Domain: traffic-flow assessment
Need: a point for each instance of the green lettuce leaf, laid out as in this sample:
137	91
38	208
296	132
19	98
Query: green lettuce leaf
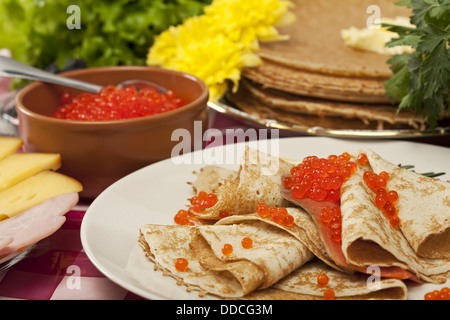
113	32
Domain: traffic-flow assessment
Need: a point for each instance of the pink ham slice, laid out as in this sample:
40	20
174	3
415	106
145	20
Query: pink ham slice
34	224
334	249
4	242
314	209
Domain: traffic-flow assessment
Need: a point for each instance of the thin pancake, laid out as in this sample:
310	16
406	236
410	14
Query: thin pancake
303	229
315	41
369	239
319	119
302	284
424	208
209	177
258	181
299	82
275	254
303	105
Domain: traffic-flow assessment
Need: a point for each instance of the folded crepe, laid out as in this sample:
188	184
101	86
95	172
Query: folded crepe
424	208
258	180
369	240
275	253
302	285
281	264
303	229
209	177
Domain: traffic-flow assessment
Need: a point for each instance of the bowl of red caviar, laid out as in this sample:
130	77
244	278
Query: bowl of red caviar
104	136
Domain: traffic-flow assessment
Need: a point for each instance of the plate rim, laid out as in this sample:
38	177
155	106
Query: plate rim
139	290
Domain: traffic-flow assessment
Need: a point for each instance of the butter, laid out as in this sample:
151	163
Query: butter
20	166
34	190
374	39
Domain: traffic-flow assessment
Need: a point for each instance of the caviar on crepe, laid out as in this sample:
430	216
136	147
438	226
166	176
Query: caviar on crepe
362	159
181	264
227	250
247	243
322	280
203	201
332	218
113	103
329	294
223	215
320	179
183	218
385	200
277	215
199	203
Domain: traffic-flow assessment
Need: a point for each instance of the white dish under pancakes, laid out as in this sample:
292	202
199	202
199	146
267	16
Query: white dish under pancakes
154	194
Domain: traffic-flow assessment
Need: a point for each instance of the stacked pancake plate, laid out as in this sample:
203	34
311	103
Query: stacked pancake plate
315	84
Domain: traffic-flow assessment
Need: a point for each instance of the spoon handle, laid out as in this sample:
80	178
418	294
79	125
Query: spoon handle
11	68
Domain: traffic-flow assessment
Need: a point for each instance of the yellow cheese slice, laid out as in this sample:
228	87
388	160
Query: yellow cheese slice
34	190
20	166
9	145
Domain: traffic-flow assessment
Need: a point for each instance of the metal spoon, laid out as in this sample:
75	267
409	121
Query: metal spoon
11	68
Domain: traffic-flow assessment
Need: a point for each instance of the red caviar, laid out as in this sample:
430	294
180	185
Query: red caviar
181	264
329	294
320	179
113	103
288	220
362	159
223	215
322	280
331	217
278	215
392	196
247	243
203	201
443	294
384	200
263	210
227	250
198	203
183	218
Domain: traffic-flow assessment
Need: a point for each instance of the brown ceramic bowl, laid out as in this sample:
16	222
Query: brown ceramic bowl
99	153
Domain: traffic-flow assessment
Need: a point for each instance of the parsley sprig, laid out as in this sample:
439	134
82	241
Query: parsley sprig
421	80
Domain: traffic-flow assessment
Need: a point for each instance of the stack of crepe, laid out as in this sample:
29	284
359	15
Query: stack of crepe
375	260
315	80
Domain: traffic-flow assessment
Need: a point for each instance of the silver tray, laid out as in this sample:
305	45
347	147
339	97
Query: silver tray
224	107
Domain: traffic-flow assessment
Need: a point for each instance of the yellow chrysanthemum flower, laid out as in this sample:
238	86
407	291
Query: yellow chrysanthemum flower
217	45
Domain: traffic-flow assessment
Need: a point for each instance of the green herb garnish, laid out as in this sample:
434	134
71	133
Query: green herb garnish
426	174
112	32
421	80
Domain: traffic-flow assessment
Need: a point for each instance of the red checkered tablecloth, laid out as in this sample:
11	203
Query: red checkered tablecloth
57	268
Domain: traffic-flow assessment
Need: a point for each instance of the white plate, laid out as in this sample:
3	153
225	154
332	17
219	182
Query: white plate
154	194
